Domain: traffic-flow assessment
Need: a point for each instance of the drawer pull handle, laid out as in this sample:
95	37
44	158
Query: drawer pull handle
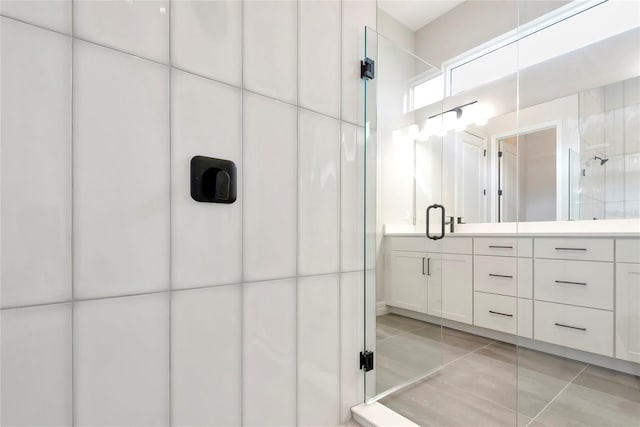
571	249
502	314
570	327
500	247
564	282
423	266
500	275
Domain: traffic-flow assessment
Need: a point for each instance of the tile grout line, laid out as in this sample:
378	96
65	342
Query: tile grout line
242	215
557	395
72	216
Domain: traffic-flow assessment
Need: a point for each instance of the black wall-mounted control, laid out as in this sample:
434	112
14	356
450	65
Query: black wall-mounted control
213	180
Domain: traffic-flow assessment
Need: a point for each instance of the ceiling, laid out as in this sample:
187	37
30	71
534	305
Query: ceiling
414	14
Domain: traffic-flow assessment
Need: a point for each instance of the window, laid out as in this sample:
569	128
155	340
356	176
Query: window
427	91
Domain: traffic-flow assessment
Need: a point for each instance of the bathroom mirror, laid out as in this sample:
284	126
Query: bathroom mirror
537	128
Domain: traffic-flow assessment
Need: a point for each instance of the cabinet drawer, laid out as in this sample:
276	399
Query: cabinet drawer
496	312
503	246
584	283
410	244
503	275
574	249
577	327
457	245
628	250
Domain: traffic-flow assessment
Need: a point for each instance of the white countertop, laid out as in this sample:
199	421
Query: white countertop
599	228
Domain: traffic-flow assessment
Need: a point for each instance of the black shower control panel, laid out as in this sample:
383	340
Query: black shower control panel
213	180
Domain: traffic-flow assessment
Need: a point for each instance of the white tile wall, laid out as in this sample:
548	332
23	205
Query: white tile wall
206	356
121	361
36	366
137	27
206	242
121	173
270	188
269	353
319	351
36	165
240	349
318	194
55	15
206	38
319	56
269	48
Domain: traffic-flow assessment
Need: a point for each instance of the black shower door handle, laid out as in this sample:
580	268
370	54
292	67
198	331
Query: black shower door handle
436	237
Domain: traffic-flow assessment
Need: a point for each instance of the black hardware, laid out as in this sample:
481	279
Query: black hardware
571	327
423	266
500	247
367	69
484	153
213	180
461	220
571	283
484	192
441	236
428	266
571	249
451	223
500	192
501	314
457	109
500	275
366	360
499	153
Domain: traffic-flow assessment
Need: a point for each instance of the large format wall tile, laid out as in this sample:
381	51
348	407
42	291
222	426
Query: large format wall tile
138	27
121	174
206	356
55	15
206	241
270	189
269	354
206	38
319	351
318	194
351	342
319	56
352	198
36	366
121	358
356	14
269	48
36	165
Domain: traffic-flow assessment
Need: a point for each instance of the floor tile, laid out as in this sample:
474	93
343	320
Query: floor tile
610	382
581	406
434	403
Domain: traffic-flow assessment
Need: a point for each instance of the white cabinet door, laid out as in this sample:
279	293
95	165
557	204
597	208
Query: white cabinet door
628	312
408	287
450	286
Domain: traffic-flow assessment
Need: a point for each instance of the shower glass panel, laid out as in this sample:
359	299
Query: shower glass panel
406	274
585	82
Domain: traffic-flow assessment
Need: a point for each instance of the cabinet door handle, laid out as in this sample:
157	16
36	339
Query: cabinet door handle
570	327
500	275
423	266
500	247
571	249
428	266
501	314
564	282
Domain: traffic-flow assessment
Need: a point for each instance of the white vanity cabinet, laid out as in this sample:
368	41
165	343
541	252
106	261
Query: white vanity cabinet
628	299
421	278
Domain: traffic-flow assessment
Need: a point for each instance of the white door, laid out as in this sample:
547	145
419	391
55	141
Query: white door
408	285
508	194
628	311
450	286
471	178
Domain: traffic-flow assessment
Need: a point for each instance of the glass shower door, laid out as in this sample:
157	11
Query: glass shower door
403	183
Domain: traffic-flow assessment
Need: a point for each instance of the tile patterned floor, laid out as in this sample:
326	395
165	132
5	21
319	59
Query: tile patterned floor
491	383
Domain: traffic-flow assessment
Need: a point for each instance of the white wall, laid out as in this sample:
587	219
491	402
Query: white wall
389	27
125	302
473	23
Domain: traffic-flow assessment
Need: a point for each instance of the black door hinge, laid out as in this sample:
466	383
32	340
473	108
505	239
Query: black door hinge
484	192
366	360
484	154
499	153
499	192
367	69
